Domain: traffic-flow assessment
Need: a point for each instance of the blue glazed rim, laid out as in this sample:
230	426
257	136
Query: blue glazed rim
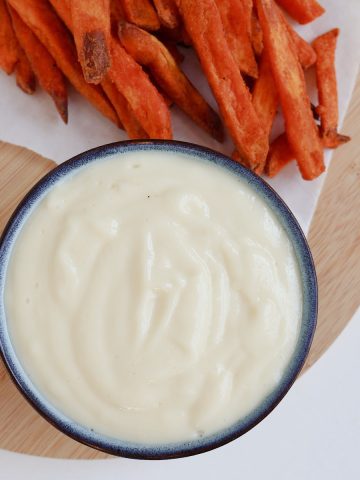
180	449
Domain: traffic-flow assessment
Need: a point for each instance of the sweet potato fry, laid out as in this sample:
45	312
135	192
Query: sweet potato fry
43	65
225	79
305	52
235	16
248	6
25	78
265	96
8	42
289	79
303	11
166	98
116	13
173	49
335	142
63	9
43	21
145	101
91	29
125	114
168	13
325	47
151	53
239	159
12	56
178	35
256	35
141	13
280	154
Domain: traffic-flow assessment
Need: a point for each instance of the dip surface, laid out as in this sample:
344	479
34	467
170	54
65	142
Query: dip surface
153	297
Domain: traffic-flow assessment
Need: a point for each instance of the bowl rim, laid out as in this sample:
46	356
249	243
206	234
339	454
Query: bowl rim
143	451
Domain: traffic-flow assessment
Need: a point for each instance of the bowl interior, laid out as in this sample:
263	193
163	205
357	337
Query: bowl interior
173	450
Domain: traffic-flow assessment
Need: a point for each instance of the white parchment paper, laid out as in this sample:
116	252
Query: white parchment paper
32	122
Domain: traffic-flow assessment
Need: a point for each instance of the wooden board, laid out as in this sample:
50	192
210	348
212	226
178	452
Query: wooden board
334	239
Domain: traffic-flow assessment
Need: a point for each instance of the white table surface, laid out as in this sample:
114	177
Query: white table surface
314	434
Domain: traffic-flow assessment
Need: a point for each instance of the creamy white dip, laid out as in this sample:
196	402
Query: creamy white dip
153	297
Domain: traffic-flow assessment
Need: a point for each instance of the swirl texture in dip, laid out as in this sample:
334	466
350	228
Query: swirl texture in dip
153	297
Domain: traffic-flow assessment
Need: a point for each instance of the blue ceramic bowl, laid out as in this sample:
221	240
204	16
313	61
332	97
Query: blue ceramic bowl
174	450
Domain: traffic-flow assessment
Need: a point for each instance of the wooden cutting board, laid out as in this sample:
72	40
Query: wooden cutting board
334	238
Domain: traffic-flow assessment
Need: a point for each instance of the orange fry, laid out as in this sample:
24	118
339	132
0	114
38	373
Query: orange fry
43	21
166	98
256	35
8	43
280	154
145	101
225	79
25	78
235	16
116	12
303	11
142	13
125	114
335	142
238	158
173	49
168	13
151	53
248	6
91	29
289	79
63	9
305	52
265	96
325	47
177	35
42	63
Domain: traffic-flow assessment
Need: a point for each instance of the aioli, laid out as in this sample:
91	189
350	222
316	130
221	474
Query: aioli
153	298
